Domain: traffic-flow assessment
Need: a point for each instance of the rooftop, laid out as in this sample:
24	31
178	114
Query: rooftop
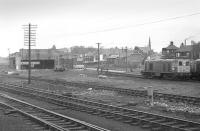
185	48
172	46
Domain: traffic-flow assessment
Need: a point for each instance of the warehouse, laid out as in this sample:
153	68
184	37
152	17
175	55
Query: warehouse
40	58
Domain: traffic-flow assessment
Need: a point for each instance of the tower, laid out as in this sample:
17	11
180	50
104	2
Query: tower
149	43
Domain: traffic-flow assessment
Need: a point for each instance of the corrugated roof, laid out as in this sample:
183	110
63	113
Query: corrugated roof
185	48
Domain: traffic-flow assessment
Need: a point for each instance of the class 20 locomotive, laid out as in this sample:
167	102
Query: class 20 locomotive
172	68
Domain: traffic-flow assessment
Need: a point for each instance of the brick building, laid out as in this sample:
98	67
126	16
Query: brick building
170	51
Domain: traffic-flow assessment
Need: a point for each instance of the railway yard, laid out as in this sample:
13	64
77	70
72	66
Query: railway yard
100	65
80	100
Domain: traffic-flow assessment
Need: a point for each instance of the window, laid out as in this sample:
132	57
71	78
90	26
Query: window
177	54
180	63
187	63
164	68
145	66
169	67
150	66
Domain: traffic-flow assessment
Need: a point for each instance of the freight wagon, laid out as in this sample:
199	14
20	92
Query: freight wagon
195	70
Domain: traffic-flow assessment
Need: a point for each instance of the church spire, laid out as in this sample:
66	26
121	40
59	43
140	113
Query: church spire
149	43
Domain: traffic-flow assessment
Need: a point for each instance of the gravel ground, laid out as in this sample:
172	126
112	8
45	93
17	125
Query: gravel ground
108	97
99	121
175	87
12	122
178	110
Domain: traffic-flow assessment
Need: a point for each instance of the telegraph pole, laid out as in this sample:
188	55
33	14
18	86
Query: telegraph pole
29	54
126	58
9	63
29	40
98	58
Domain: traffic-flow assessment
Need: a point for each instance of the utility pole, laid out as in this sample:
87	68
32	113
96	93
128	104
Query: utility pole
9	62
126	49
29	54
98	59
29	40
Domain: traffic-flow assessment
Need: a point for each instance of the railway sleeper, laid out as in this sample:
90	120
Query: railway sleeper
103	114
118	118
110	116
151	119
70	125
80	127
96	113
169	122
45	116
135	122
38	127
129	121
60	123
192	128
56	120
157	128
63	122
49	119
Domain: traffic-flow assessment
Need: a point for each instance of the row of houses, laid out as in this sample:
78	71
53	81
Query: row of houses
183	52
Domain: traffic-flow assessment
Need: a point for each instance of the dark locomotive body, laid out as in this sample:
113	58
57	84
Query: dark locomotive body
172	68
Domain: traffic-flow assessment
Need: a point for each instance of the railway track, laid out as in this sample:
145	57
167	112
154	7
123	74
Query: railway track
46	119
141	93
131	75
147	120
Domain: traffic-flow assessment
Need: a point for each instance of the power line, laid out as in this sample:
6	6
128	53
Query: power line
141	24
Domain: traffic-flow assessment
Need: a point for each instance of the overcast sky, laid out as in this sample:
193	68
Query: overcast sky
120	23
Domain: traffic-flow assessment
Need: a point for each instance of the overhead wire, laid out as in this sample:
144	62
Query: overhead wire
137	25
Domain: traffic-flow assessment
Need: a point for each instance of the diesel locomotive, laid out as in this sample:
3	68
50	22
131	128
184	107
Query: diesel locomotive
172	68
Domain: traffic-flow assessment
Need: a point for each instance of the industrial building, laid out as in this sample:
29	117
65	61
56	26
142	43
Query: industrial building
40	58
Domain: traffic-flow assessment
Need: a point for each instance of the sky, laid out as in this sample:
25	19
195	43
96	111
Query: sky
113	23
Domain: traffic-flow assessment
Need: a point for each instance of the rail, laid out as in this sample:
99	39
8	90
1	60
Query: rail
133	117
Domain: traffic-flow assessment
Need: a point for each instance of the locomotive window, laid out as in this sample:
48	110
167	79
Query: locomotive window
187	63
169	67
164	68
150	66
145	66
180	63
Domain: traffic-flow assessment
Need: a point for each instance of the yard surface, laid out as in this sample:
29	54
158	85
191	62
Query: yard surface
161	107
179	110
12	122
174	87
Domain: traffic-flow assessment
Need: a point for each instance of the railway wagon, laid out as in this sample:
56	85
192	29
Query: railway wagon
195	70
172	68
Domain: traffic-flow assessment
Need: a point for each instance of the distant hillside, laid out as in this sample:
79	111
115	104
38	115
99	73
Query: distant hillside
4	60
